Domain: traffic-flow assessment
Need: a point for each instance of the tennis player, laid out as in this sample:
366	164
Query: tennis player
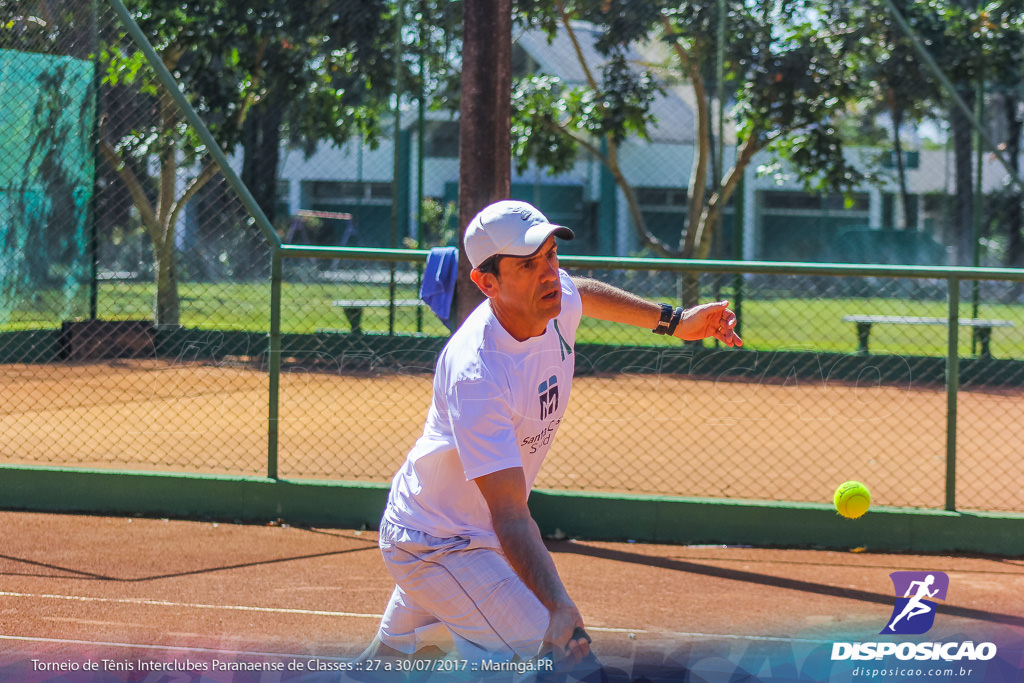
456	534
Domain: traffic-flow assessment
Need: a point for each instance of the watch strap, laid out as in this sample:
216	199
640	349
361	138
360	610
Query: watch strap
665	321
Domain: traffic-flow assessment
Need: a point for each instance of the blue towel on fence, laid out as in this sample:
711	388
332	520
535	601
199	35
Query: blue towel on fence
438	284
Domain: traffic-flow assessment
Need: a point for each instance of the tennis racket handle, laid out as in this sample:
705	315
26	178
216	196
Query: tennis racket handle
577	634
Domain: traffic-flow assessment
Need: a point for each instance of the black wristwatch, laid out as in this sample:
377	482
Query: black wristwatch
666	319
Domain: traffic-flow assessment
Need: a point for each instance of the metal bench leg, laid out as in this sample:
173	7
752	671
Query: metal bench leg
863	332
983	336
354	314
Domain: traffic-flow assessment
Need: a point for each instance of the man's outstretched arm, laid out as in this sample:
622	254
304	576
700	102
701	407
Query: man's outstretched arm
606	302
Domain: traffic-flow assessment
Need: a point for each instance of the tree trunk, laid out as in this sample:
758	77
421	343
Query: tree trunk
485	148
963	199
709	222
1014	220
167	308
901	220
896	112
707	227
261	142
689	293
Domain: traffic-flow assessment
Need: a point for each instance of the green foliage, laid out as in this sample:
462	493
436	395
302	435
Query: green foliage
440	225
257	73
329	65
545	111
803	79
553	120
47	27
328	61
625	98
788	76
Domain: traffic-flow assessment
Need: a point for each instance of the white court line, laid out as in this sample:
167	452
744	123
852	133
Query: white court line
358	615
173	648
727	636
190	605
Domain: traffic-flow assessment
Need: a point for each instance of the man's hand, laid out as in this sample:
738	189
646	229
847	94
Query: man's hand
709	320
565	636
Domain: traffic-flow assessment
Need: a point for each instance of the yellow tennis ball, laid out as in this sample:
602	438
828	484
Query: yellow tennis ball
852	499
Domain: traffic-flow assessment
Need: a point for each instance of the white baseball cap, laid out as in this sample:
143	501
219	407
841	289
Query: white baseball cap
509	228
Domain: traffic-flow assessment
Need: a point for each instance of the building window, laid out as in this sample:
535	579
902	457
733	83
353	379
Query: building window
660	197
379	190
326	190
802	201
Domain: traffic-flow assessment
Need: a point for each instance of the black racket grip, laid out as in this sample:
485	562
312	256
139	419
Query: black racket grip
577	634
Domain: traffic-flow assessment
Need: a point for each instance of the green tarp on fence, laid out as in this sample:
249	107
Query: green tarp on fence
47	108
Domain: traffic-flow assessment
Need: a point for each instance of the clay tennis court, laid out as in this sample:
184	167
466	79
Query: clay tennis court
640	433
78	589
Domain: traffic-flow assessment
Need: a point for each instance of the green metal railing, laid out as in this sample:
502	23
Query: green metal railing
953	276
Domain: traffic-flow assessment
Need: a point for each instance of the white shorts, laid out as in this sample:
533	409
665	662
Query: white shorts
463	585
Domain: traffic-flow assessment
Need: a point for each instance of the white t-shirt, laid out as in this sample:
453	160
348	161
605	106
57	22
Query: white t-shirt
497	404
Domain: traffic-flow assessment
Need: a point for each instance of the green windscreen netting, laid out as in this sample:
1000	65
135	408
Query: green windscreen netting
47	105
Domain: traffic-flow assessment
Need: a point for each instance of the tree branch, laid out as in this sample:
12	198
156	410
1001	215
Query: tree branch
720	198
702	157
610	160
205	175
564	16
138	194
581	141
250	96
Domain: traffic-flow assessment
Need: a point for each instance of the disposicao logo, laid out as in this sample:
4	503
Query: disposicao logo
916	592
913	614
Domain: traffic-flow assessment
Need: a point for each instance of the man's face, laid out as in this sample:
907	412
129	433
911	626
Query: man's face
526	292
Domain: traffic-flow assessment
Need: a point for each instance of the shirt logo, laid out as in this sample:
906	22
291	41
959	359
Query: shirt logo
914	611
548	391
563	346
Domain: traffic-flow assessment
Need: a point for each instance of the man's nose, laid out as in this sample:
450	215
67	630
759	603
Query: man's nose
551	269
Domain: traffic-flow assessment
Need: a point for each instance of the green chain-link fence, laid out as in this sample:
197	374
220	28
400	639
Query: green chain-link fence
140	326
803	404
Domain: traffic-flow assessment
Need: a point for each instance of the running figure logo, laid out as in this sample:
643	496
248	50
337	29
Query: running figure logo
548	396
914	612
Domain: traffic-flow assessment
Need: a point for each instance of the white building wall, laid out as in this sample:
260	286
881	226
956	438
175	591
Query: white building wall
644	164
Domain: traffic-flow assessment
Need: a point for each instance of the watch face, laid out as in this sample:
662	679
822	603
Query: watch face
666	316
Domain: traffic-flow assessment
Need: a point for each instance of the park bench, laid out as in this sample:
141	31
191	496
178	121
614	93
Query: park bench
981	329
353	309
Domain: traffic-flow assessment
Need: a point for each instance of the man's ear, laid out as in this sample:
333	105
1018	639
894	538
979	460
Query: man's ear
487	282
